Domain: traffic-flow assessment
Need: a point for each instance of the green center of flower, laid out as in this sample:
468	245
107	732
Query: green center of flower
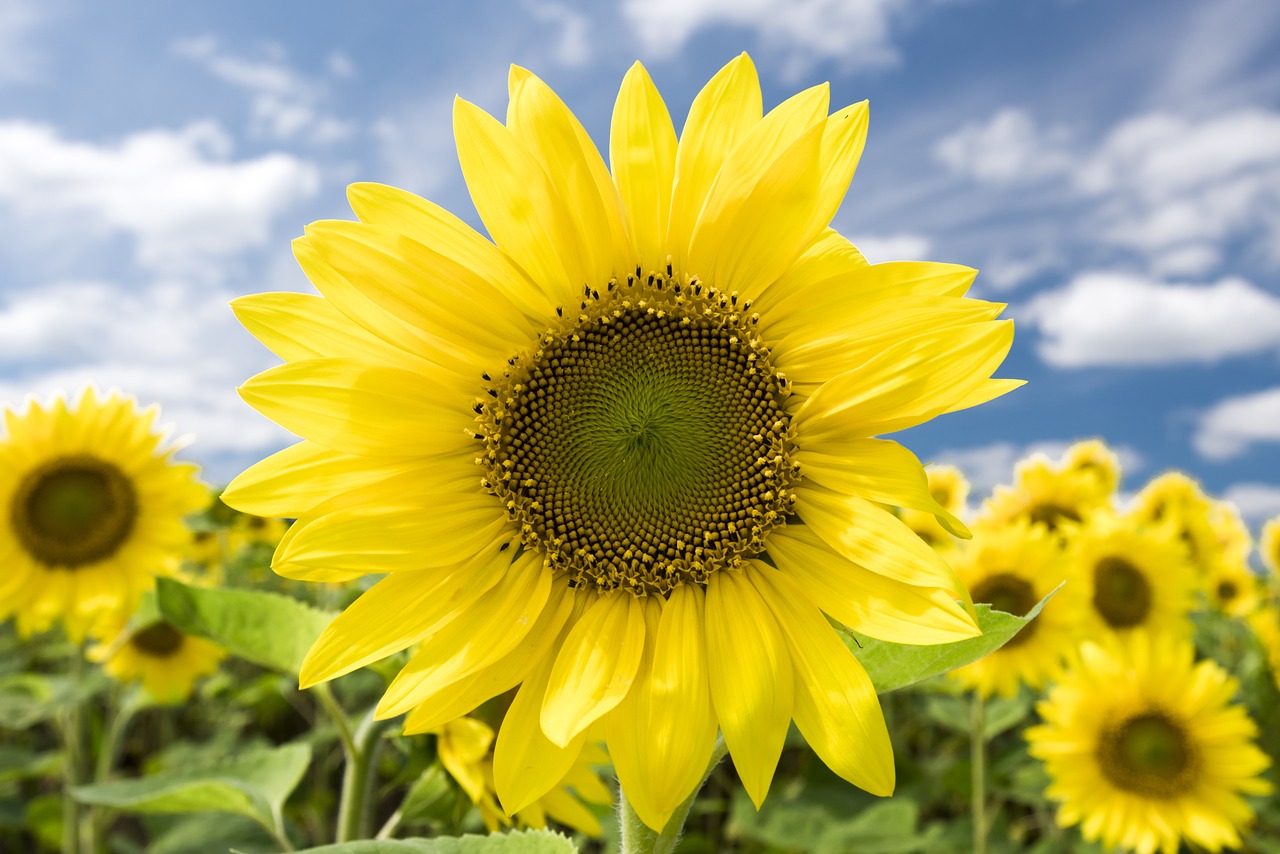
1227	591
1121	593
158	640
644	445
1052	515
1149	754
74	510
1007	592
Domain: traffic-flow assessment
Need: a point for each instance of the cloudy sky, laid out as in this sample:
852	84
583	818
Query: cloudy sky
1113	169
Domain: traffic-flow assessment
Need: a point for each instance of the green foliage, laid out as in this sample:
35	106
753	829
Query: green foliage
254	784
893	665
268	629
511	842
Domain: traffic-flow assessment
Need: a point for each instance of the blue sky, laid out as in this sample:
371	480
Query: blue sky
1113	169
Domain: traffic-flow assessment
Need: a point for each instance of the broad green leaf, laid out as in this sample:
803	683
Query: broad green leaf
254	784
1000	715
266	628
893	665
511	842
29	698
431	797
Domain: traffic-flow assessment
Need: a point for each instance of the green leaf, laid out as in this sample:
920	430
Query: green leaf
254	784
1001	714
269	629
29	698
893	665
511	842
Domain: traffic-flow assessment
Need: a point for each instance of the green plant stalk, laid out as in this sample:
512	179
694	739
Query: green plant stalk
639	838
978	764
361	748
78	835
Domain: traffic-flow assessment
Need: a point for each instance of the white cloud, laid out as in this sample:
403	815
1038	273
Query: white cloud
852	35
173	343
1118	319
1229	427
1170	184
987	466
1008	148
284	104
879	248
176	193
573	47
1257	501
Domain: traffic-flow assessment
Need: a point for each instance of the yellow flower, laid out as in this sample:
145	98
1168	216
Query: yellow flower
166	661
1094	458
92	503
248	530
1136	576
1048	494
465	749
1012	568
1232	588
1145	748
1175	499
1269	545
623	456
950	489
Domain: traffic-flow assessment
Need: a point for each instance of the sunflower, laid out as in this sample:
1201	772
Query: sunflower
1269	545
249	531
948	486
1136	576
1094	458
1176	500
465	747
166	661
1012	568
1144	748
1232	588
622	456
1046	493
92	504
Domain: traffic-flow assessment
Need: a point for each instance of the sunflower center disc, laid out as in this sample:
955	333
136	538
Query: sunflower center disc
1121	593
1006	592
1053	515
646	445
1148	754
159	640
73	511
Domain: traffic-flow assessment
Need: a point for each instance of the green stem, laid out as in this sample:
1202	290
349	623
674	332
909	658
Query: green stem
978	763
336	714
77	831
357	782
639	838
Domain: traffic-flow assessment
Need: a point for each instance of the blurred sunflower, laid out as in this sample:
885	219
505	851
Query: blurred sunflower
166	661
622	456
948	486
1176	500
1137	577
1093	457
1269	545
1012	568
93	505
1047	494
465	749
250	531
1232	588
1145	749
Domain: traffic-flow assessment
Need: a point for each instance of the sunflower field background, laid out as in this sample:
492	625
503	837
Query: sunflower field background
516	428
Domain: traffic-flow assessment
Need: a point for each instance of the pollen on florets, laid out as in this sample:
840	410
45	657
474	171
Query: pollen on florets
644	442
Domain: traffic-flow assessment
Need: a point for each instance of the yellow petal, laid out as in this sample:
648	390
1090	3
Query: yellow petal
551	132
357	408
750	232
476	636
864	600
836	707
527	764
878	470
750	676
595	667
662	735
833	266
294	481
571	812
468	693
425	288
399	611
720	117
874	538
519	205
642	153
306	326
437	228
907	384
843	139
436	531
